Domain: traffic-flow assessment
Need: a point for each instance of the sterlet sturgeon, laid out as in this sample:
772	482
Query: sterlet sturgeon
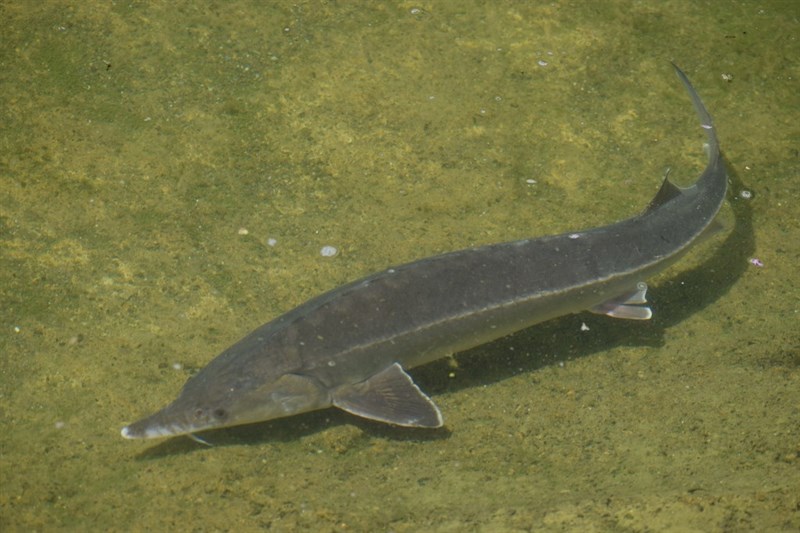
350	347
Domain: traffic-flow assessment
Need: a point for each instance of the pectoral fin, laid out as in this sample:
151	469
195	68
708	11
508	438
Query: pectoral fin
389	396
627	305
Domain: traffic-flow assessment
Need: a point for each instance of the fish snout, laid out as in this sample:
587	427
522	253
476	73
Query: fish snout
175	420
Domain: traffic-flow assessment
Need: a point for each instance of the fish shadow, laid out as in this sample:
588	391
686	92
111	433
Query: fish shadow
292	429
552	342
560	340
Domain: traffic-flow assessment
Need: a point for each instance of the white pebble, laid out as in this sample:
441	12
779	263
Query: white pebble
329	251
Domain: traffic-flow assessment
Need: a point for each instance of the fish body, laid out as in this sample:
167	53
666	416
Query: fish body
350	347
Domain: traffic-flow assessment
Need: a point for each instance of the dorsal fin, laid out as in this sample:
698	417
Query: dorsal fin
667	192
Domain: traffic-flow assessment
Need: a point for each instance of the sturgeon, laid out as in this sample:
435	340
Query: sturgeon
350	347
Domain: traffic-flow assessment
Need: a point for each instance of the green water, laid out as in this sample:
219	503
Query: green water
170	174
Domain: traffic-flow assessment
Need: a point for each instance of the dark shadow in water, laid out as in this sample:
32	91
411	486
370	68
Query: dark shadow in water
290	429
544	344
673	301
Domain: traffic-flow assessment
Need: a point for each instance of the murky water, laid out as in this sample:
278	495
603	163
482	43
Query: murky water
170	175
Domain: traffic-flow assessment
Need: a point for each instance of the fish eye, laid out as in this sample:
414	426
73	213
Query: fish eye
220	413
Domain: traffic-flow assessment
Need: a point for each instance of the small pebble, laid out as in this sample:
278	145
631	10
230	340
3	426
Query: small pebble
329	251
